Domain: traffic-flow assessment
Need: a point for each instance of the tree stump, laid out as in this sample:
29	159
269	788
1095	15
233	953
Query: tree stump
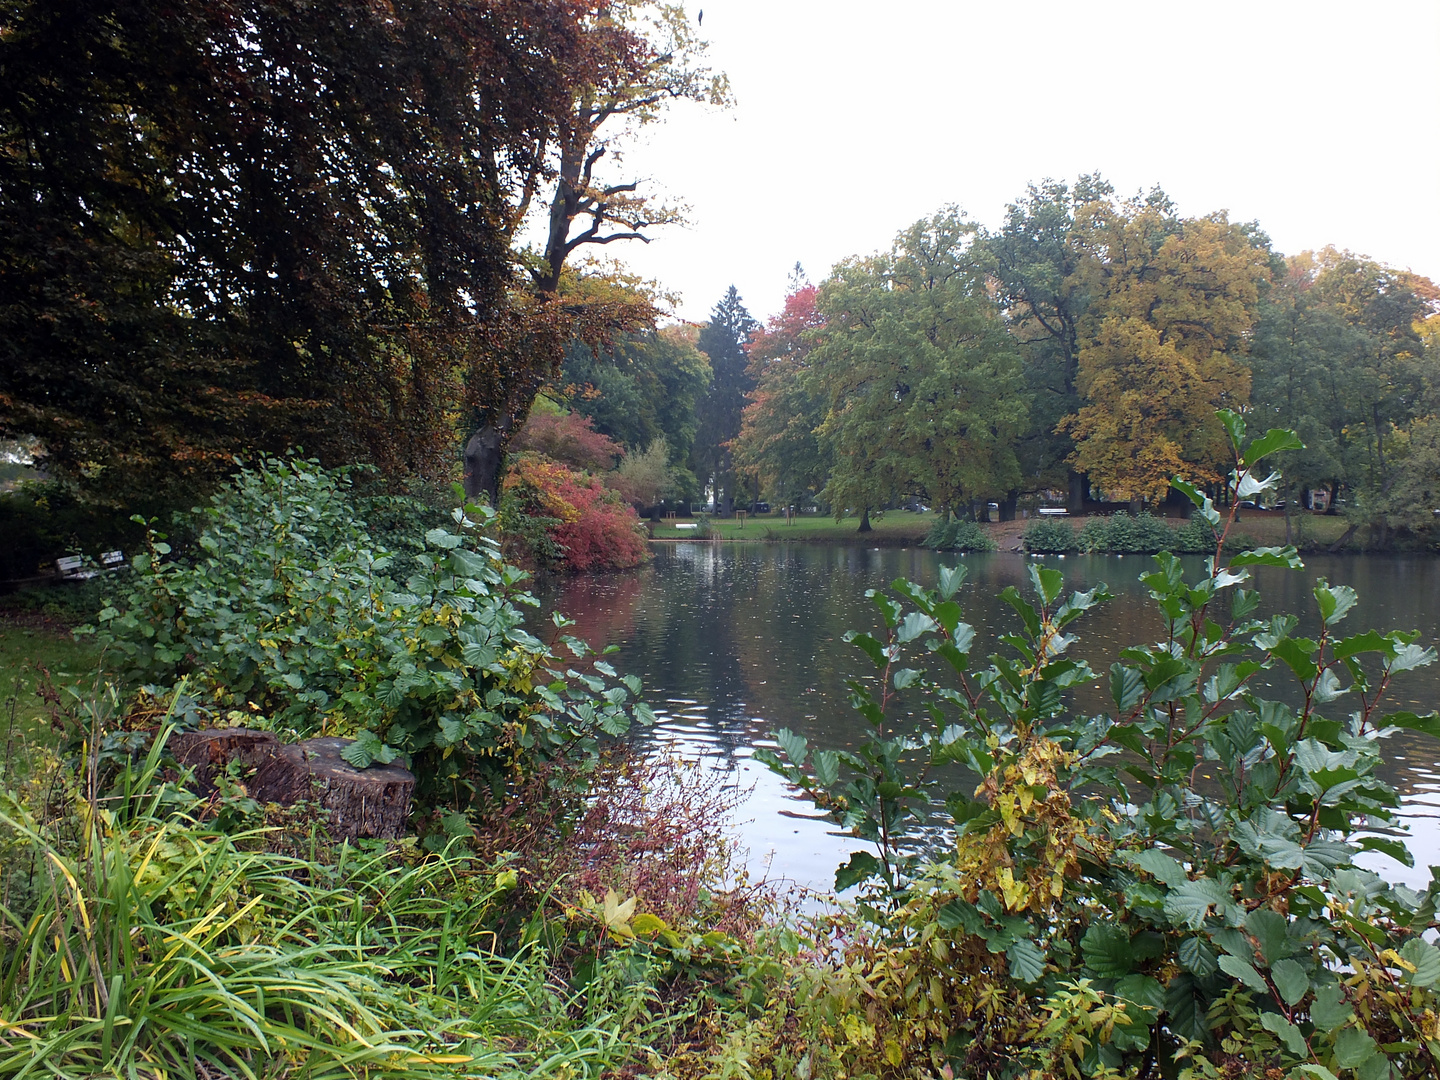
361	802
208	752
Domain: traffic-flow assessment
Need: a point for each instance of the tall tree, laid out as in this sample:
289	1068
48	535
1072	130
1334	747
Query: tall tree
723	340
779	444
239	225
1038	256
923	382
1172	305
642	58
642	387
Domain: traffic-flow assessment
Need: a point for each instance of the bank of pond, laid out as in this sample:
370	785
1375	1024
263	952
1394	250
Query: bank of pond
828	811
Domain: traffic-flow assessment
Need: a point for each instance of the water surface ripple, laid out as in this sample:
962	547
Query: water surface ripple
735	641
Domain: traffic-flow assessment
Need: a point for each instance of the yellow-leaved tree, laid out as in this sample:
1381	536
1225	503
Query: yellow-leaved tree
1162	344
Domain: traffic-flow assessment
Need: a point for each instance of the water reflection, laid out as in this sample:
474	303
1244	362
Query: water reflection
734	641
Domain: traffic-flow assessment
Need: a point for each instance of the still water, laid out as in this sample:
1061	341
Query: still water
734	641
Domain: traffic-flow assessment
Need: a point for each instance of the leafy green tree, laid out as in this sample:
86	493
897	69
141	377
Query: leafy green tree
723	341
234	226
924	388
779	444
640	388
1037	256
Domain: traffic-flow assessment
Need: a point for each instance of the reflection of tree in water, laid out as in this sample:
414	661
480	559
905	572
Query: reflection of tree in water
603	607
735	641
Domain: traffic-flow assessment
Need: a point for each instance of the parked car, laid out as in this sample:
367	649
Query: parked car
760	508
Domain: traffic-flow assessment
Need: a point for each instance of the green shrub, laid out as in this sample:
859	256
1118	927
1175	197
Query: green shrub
1170	888
958	536
292	616
1047	536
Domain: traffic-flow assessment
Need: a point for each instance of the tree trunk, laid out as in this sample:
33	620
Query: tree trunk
1330	504
208	752
1075	496
1007	506
485	464
865	525
359	802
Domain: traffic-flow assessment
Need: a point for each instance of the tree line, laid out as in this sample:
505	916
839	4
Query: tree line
229	228
1082	349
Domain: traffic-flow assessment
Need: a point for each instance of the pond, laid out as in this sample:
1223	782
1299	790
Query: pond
734	641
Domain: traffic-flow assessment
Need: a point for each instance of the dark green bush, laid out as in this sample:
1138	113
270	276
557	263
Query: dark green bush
1172	888
1046	536
958	536
293	616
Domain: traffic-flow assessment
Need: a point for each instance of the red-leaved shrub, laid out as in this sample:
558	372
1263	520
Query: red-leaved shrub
588	526
571	440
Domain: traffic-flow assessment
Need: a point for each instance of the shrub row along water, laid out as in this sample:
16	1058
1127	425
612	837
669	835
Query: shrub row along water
958	536
1122	534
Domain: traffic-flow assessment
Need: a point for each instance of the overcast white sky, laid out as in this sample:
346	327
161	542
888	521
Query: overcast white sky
1317	118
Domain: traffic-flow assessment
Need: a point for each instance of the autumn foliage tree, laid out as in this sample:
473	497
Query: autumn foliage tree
574	520
227	227
1163	343
779	444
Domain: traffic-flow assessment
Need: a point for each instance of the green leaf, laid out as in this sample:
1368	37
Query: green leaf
861	867
1197	957
1047	582
1026	960
1234	425
913	626
869	646
826	764
1271	930
1144	991
1425	959
361	753
960	913
1188	905
1127	687
1159	865
794	746
1291	980
951	578
1335	601
1429	723
1269	556
442	538
1329	1009
1246	973
1287	1032
1106	948
1353	1048
1272	442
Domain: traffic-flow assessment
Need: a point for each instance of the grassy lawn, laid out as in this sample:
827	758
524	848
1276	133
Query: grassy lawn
26	645
893	527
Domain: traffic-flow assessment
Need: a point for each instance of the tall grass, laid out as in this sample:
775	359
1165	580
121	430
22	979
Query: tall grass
157	946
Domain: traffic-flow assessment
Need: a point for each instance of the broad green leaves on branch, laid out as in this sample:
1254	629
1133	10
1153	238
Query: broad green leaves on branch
1176	883
292	617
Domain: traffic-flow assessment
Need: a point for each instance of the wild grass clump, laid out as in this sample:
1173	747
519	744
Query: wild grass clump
139	939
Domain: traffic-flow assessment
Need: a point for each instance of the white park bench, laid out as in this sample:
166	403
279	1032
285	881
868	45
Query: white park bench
72	567
1053	511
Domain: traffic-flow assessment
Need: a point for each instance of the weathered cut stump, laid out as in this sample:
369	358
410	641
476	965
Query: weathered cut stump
208	752
361	802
